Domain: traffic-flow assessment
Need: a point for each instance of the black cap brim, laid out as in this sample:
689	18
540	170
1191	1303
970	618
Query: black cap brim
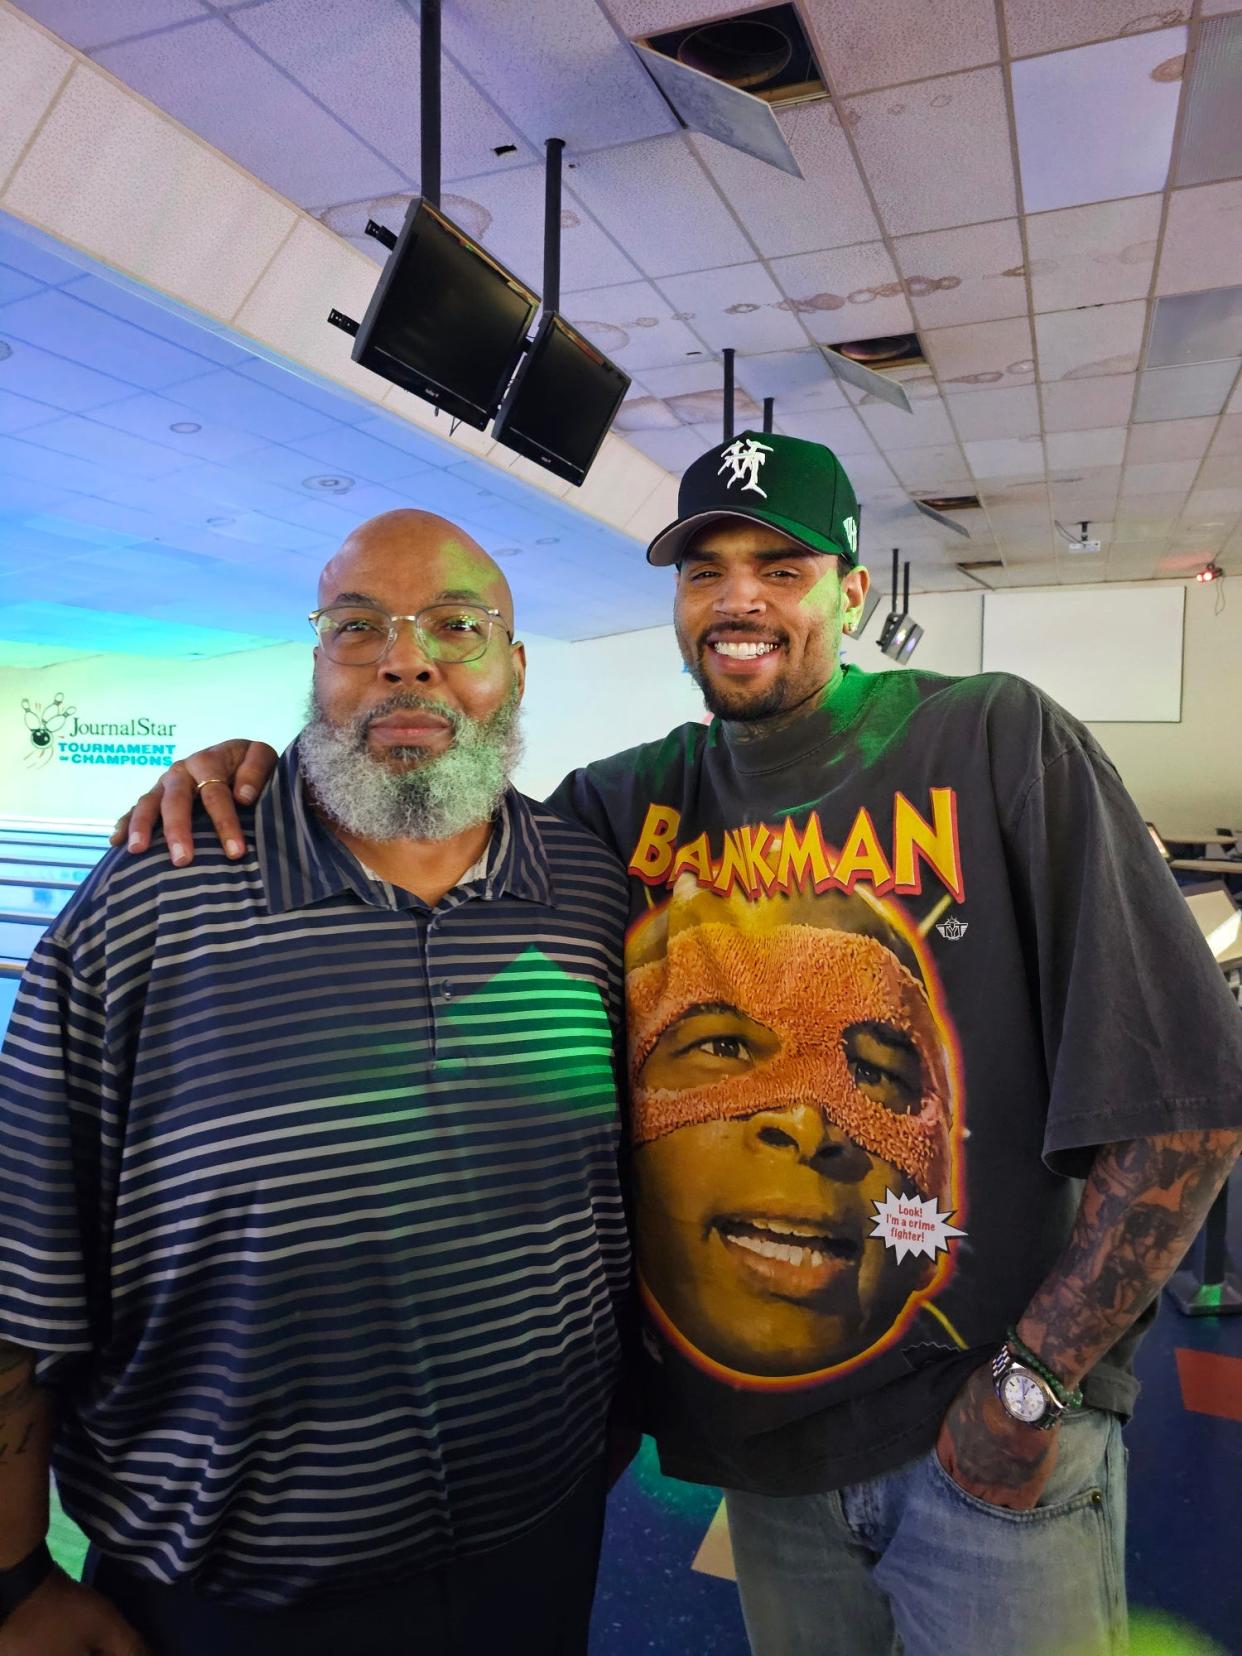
669	545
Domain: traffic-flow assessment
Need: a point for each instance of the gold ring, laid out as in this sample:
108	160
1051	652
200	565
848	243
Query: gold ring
207	781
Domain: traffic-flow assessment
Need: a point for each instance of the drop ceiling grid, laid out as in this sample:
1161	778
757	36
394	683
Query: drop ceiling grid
1092	25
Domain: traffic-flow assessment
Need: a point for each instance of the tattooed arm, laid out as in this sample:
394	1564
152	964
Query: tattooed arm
1142	1204
60	1618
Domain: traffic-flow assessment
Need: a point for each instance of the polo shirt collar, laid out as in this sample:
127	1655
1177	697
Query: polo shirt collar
301	860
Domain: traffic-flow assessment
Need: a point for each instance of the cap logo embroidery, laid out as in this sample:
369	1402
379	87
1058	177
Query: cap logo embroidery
745	459
850	528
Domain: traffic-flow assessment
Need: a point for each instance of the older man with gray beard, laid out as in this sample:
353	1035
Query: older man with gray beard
315	1247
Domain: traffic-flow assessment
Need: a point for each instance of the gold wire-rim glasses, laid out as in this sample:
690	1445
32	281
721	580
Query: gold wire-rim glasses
435	646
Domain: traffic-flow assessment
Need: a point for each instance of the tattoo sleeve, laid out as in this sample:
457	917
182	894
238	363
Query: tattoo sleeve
1142	1204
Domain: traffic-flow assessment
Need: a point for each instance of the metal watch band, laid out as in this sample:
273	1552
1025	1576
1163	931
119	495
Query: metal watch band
1006	1362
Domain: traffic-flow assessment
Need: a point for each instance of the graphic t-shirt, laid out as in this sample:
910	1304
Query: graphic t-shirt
893	972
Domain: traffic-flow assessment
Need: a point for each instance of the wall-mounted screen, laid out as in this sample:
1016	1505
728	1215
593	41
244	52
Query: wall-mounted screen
446	321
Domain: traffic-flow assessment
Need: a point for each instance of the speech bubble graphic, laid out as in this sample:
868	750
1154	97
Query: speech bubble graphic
913	1225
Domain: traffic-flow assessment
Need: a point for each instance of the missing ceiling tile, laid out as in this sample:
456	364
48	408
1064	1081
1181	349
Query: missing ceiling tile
951	503
764	52
886	351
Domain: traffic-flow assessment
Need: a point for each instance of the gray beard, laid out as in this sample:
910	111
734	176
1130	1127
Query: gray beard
432	799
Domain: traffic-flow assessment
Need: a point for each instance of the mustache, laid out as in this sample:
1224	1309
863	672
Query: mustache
408	702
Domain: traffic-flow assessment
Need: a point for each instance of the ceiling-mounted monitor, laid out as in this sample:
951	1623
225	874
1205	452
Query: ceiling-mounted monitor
447	321
562	401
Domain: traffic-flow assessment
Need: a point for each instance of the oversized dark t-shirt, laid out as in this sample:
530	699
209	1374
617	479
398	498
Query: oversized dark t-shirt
893	972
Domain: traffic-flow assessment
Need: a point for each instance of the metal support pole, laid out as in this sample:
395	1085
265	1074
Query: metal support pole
727	353
429	104
552	226
769	404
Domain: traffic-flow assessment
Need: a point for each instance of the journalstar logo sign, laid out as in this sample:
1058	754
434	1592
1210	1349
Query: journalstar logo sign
58	733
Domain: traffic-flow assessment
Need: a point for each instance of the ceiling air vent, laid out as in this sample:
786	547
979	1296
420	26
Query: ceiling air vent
763	52
951	503
886	351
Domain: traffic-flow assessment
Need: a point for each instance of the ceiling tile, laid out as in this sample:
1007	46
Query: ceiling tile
1102	447
937	153
154	315
739	306
988	354
344	448
939	469
1012	411
1081	344
1007	457
100	340
1228	436
645	414
13	285
1182	393
152	417
88	26
674	450
1161	476
925	426
201	230
32	372
845	294
236	400
870	471
1220	472
633	324
212	81
33	68
707	408
1048	25
682	224
1169	440
684	378
974	274
1097	123
1082	404
1202	239
360	59
1093	255
1212	508
645	17
21	413
866	43
800	381
839	428
556	67
827	207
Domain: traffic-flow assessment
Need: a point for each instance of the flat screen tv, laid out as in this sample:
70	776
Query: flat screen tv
562	401
446	321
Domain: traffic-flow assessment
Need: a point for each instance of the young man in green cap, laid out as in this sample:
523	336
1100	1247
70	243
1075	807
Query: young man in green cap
919	1132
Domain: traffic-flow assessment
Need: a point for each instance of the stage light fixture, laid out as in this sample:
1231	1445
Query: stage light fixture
1211	571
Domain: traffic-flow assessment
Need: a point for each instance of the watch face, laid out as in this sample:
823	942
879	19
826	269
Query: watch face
1022	1397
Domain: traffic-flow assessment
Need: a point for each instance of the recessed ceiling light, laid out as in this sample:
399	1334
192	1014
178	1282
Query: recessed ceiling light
506	551
218	522
548	540
330	483
6	350
185	427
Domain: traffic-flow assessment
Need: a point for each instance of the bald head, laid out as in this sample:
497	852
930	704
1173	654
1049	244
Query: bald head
420	554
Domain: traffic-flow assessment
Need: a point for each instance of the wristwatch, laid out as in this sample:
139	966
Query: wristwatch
1024	1395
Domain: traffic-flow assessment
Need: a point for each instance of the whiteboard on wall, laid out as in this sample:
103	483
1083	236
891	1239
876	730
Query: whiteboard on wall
1107	657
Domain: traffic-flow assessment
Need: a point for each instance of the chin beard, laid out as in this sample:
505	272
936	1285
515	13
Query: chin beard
438	796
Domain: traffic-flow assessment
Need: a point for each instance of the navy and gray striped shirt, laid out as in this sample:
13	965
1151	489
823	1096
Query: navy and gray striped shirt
309	1200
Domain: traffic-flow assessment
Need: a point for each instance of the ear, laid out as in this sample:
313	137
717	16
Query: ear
517	655
855	584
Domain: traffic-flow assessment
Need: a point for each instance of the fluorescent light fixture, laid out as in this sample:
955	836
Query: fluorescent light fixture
1183	393
1196	327
719	111
1211	146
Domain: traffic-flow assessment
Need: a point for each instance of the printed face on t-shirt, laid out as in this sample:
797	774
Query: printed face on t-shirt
788	1076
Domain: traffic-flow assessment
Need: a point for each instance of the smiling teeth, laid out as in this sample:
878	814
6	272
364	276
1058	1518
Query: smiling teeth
780	1250
743	651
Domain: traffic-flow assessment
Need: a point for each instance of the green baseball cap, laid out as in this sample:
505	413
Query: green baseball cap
797	487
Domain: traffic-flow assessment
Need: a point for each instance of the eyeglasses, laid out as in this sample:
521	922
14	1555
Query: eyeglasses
358	635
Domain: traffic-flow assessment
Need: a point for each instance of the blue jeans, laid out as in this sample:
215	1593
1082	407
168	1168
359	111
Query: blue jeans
909	1564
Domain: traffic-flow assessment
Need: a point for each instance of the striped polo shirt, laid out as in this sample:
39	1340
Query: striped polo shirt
309	1200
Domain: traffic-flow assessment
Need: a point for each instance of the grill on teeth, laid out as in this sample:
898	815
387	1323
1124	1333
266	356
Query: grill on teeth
742	651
